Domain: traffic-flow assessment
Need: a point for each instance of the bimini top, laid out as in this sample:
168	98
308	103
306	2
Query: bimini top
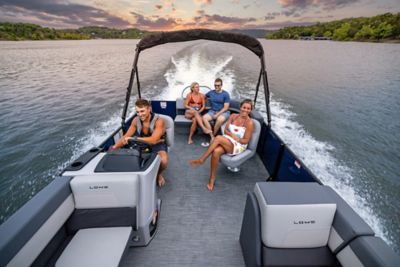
155	39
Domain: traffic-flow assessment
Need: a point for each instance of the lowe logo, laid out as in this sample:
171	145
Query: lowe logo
304	222
94	187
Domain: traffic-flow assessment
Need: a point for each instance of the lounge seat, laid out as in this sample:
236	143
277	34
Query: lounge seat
266	246
169	128
233	162
96	247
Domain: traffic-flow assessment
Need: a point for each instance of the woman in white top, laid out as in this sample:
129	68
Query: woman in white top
238	131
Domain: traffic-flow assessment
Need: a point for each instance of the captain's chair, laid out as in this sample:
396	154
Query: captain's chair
233	162
169	129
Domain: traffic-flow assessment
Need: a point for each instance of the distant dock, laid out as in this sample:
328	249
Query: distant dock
312	38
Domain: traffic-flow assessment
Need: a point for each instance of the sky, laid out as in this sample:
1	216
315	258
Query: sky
167	15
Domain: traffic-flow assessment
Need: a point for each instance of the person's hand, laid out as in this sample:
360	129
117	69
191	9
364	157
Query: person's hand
160	141
125	140
215	117
112	148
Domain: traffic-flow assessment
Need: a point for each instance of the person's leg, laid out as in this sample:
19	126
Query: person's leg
193	128
218	141
200	122
206	120
216	155
218	123
163	165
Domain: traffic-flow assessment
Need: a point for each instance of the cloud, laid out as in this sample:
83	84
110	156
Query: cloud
295	7
155	22
47	12
159	7
271	15
203	2
200	12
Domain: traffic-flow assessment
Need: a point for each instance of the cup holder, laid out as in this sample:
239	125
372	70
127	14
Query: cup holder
76	164
94	150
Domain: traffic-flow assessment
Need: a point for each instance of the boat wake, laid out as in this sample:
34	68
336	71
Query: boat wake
196	67
319	157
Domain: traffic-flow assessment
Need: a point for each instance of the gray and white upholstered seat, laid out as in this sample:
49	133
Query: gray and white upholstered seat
233	162
169	128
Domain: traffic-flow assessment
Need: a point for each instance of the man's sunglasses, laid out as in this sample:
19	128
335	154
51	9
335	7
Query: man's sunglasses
217	85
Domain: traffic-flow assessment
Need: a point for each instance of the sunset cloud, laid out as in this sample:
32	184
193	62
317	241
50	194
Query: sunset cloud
202	2
155	22
63	14
184	14
295	7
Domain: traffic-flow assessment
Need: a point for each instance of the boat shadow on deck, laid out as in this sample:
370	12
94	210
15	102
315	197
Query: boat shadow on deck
198	227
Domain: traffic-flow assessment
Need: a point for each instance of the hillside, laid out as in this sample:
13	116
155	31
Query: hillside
384	27
26	31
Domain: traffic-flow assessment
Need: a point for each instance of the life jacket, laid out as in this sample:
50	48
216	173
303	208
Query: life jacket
139	127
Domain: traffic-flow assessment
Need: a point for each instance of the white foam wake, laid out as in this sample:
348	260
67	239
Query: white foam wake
195	68
319	158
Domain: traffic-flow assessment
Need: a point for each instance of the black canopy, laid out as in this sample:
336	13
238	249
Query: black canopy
189	35
159	38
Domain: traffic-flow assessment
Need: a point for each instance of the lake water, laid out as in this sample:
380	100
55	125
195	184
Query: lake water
336	104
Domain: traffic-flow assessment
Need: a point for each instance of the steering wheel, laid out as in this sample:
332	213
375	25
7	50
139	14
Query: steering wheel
134	143
203	88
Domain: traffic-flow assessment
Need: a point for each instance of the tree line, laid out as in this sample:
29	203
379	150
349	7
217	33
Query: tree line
27	31
383	27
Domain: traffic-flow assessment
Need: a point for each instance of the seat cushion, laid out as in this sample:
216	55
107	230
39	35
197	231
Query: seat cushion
321	256
96	247
294	215
237	160
181	119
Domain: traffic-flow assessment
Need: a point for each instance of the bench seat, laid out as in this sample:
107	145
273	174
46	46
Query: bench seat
96	247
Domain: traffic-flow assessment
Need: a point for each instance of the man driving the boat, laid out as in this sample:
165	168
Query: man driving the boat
148	127
219	111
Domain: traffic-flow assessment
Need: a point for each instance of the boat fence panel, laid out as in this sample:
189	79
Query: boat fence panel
282	164
164	107
291	169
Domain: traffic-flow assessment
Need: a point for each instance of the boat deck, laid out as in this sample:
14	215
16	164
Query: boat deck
198	227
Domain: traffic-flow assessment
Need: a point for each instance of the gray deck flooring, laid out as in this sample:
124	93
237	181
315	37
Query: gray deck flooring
198	227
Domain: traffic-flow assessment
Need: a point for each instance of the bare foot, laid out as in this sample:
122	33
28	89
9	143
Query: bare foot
154	220
207	131
160	181
196	162
190	141
210	185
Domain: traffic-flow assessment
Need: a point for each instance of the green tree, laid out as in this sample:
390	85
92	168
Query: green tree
341	34
365	33
384	30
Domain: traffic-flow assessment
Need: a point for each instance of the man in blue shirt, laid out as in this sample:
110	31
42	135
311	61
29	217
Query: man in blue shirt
219	112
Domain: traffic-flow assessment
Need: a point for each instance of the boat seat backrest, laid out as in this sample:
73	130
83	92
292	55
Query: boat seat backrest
180	106
169	128
347	224
26	234
254	136
237	160
368	251
294	215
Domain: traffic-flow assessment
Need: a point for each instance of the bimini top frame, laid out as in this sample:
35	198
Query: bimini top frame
155	39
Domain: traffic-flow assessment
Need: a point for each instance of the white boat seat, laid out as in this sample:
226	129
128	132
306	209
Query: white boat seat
169	128
237	160
294	215
96	247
